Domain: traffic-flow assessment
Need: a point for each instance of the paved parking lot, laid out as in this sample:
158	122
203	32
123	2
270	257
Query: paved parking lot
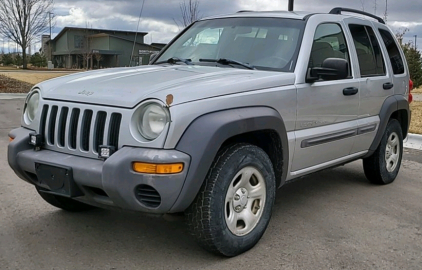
333	219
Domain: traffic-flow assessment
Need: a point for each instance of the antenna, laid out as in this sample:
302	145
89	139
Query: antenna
136	34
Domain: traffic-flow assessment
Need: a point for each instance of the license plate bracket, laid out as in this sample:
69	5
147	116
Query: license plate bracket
58	178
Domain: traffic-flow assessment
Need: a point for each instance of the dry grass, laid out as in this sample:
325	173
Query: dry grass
416	124
417	90
9	85
32	77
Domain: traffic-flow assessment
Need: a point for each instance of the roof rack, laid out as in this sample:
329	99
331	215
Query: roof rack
338	10
242	11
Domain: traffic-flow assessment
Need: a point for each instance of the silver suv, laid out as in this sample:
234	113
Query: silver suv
232	109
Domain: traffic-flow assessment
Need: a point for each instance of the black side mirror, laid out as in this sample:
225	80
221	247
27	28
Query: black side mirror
331	69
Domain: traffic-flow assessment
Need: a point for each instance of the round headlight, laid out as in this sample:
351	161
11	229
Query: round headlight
153	119
31	108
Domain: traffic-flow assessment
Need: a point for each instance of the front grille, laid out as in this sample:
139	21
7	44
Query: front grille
84	130
148	196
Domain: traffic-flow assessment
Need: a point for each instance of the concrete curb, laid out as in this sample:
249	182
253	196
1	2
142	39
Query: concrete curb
413	141
12	96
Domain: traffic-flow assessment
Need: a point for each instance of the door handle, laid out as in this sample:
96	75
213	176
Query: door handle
350	91
387	86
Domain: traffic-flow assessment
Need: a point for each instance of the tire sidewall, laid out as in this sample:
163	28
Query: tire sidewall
232	244
388	177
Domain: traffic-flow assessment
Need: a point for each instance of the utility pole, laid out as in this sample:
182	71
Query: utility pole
291	4
50	47
416	36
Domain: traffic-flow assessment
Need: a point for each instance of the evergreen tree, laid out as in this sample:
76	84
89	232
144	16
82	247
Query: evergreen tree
414	61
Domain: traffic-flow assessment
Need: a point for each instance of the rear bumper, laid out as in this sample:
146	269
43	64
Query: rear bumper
109	183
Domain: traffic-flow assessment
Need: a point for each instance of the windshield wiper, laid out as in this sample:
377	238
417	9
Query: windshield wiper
225	61
175	60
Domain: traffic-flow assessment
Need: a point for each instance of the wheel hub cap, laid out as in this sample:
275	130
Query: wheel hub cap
245	201
392	152
240	200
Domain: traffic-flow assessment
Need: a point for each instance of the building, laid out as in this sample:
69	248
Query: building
77	47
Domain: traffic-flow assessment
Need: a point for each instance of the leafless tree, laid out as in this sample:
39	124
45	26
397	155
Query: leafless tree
98	57
22	20
400	34
86	47
386	10
190	12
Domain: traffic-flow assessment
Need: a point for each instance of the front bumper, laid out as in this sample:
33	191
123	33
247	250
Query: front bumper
109	183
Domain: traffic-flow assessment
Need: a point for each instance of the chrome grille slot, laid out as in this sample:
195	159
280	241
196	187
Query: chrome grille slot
86	130
78	130
62	126
99	130
73	128
113	132
52	124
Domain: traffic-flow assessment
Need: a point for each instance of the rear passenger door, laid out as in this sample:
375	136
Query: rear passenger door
375	81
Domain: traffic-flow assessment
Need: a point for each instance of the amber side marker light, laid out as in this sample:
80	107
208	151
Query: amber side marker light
150	168
11	139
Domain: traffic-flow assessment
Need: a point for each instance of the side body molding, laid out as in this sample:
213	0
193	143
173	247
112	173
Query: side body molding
206	134
391	105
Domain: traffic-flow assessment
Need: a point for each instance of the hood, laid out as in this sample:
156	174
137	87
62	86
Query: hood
127	87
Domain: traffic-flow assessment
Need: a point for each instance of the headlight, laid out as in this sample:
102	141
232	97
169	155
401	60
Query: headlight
31	108
153	119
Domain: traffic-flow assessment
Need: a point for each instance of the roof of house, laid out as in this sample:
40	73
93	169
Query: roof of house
106	31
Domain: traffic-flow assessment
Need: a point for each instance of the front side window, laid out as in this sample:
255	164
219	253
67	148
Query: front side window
264	43
393	52
329	42
371	62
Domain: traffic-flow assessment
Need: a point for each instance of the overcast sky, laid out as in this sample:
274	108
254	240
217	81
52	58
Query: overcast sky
158	17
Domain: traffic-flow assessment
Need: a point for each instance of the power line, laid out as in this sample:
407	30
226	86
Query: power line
136	34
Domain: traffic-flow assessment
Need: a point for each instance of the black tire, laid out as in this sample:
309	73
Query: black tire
64	203
206	217
375	166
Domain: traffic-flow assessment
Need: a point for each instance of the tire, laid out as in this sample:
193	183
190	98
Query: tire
64	203
383	166
224	218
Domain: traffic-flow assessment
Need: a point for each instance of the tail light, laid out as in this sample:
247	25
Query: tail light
410	91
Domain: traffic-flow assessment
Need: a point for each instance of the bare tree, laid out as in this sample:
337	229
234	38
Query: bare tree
98	57
22	20
386	10
190	12
400	34
362	3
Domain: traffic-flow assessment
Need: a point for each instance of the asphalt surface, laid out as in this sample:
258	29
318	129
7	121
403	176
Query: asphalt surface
333	219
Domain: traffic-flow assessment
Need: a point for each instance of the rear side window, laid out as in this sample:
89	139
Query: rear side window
393	52
371	62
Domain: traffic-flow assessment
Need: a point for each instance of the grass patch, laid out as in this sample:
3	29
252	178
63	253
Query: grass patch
33	77
417	90
416	123
9	85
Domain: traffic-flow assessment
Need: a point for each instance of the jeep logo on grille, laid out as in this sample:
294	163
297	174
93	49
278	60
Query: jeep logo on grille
86	93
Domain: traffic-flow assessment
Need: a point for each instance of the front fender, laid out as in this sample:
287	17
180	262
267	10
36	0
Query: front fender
206	134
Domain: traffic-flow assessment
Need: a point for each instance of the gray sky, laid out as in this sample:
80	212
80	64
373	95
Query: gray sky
159	15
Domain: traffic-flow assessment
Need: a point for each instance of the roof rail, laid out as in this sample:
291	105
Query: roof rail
338	10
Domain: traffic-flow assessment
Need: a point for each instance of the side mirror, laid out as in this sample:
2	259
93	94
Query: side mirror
331	69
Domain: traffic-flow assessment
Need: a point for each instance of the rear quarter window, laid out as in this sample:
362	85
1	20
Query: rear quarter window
393	51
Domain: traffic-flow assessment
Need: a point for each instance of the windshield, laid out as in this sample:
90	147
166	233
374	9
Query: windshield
261	43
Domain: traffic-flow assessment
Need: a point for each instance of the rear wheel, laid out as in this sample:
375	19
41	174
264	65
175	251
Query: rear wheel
384	165
233	207
63	202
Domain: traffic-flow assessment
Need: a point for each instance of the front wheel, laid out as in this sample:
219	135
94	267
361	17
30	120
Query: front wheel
383	166
234	205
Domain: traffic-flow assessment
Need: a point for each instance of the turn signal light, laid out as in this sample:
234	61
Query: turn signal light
11	139
150	168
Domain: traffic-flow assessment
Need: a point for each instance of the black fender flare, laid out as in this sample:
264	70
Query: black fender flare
207	133
390	105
